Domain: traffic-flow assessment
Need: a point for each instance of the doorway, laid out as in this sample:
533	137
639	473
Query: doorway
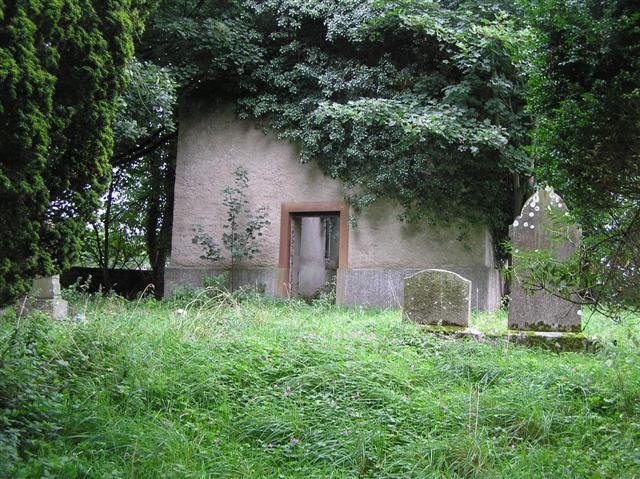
313	259
313	249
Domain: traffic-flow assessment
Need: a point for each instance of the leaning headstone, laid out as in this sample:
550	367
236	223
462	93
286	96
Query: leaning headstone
45	296
539	227
438	297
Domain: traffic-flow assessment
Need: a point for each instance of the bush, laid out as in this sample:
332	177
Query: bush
30	397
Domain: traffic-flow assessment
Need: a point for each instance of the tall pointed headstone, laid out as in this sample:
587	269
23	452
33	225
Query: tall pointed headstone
539	228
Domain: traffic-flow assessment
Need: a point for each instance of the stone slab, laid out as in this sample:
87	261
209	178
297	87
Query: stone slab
57	308
437	297
367	287
176	277
539	227
384	287
46	287
555	341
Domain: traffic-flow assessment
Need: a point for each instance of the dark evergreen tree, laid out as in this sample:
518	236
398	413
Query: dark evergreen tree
61	69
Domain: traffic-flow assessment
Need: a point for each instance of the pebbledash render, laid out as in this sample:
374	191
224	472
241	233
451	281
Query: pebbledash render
369	260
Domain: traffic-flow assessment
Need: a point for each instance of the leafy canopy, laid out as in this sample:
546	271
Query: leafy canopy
584	89
410	100
61	67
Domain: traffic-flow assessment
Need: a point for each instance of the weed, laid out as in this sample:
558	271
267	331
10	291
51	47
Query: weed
228	386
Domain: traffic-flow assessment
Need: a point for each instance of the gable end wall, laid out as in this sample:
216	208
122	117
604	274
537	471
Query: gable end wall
382	250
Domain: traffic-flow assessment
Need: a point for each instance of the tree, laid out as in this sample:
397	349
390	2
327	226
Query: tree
187	41
114	238
207	44
134	220
243	228
584	89
61	68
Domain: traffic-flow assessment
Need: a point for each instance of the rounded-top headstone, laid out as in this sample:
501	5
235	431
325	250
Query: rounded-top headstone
437	297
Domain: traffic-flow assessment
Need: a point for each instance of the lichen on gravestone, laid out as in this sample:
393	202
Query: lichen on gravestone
437	297
540	228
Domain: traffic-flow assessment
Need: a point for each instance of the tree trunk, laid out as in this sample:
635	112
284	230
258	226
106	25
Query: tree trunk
106	277
159	217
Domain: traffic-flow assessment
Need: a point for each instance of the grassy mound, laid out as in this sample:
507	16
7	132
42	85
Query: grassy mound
268	389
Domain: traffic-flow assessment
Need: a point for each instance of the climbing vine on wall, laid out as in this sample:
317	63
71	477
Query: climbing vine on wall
416	101
413	101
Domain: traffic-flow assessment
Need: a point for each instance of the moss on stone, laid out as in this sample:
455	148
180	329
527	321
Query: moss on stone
545	326
442	329
554	340
551	340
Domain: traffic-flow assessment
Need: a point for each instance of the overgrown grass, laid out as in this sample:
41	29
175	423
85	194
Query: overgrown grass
285	389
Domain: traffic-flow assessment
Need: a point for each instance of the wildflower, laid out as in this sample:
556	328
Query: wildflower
269	446
446	408
295	441
405	398
513	446
573	370
181	312
286	392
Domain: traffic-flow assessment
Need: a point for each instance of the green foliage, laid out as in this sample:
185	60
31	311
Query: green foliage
269	389
61	68
130	215
31	402
214	290
114	239
584	89
414	101
145	107
204	42
243	228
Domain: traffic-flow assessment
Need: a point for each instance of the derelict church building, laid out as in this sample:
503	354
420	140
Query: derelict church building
310	241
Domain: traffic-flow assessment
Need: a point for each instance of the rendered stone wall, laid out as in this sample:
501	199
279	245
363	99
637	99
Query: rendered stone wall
382	249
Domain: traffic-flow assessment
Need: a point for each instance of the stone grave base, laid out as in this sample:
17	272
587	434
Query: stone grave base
57	308
552	340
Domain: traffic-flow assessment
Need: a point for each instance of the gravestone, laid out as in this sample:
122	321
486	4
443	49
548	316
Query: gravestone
540	227
438	297
45	297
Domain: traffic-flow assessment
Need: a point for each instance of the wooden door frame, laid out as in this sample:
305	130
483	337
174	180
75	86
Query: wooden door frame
287	211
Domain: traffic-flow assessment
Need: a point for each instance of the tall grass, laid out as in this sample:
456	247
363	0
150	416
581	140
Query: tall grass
259	388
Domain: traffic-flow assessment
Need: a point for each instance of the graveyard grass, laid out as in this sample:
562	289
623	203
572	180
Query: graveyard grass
261	388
